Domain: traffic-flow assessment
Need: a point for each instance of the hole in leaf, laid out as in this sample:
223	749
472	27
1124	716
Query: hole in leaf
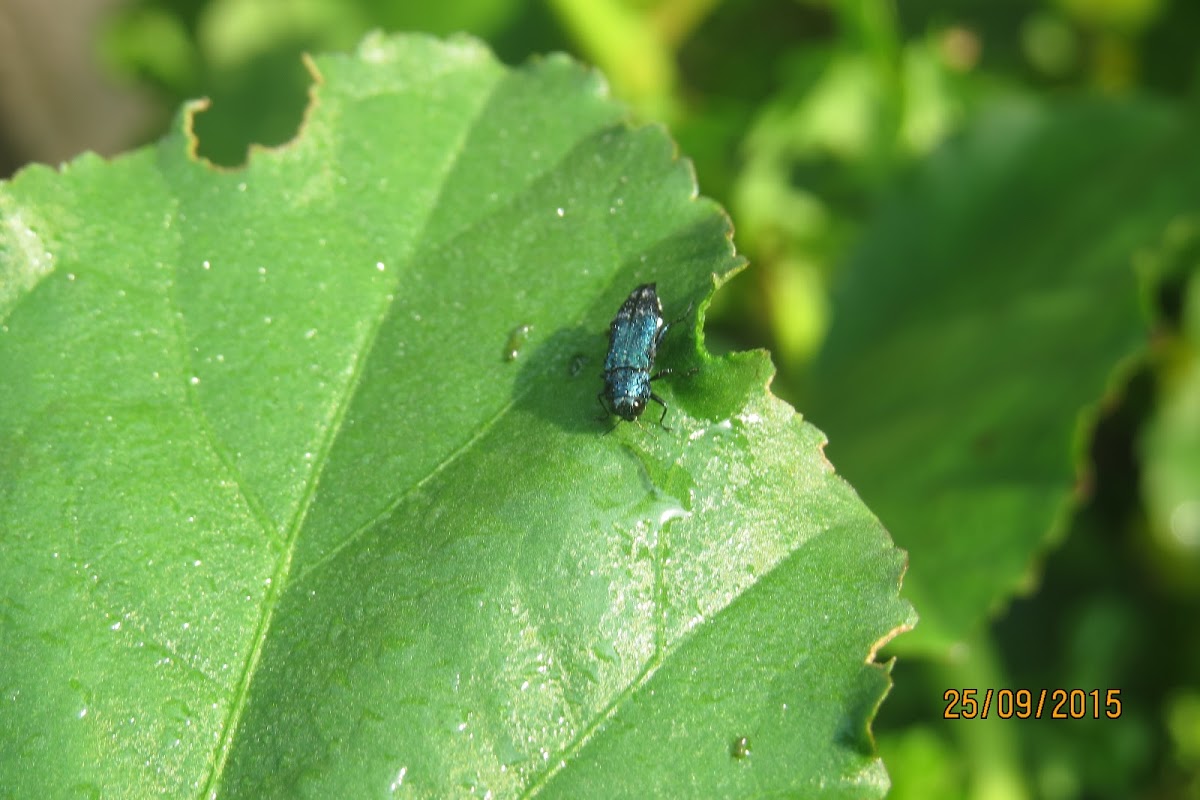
261	103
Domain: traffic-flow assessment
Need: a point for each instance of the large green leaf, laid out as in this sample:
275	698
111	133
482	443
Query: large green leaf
979	326
282	515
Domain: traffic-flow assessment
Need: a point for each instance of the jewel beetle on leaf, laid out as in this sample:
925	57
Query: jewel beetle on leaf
633	339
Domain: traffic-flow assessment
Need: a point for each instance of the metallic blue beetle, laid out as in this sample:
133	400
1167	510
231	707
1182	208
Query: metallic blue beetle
633	340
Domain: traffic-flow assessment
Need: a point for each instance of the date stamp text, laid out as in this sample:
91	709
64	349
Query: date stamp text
1032	704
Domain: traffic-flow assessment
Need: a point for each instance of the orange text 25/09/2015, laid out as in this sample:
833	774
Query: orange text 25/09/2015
1032	704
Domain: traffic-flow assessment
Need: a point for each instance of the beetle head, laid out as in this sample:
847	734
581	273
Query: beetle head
630	408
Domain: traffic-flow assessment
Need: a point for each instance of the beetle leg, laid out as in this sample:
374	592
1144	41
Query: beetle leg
659	400
607	411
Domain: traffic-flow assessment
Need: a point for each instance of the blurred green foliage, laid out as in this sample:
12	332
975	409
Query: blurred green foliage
802	116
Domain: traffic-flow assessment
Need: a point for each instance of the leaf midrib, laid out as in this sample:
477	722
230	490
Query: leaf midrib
279	579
